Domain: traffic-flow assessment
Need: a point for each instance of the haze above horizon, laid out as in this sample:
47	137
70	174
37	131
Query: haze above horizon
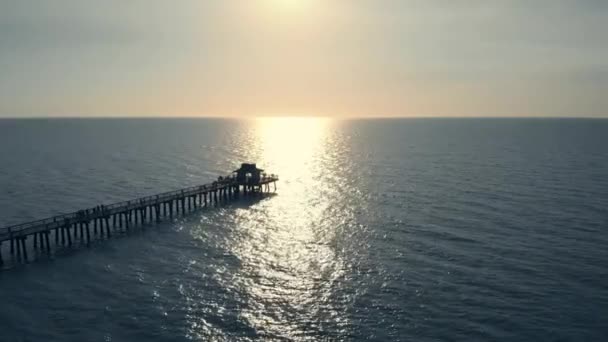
339	58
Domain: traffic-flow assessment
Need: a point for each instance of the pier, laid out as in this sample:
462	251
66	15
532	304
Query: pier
101	221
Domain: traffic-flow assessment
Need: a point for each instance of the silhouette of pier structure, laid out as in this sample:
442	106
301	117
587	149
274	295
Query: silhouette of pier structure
83	226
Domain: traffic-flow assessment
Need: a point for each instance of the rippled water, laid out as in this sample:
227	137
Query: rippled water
423	230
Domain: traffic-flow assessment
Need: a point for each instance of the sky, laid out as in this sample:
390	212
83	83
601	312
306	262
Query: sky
376	58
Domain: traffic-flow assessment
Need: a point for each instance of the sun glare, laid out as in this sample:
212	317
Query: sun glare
289	5
289	141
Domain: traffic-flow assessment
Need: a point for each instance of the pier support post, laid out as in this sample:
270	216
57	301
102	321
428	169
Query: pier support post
18	248
88	234
108	233
24	248
48	245
142	218
40	241
107	221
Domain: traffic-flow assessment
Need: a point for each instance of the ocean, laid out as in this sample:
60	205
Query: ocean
380	230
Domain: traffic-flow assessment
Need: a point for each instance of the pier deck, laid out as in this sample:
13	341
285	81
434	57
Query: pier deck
124	215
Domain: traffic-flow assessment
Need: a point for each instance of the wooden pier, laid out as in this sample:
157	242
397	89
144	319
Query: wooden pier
99	222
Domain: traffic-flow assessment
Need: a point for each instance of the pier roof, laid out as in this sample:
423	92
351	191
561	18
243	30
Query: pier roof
248	168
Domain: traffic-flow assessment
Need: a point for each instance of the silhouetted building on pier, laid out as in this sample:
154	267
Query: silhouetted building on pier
248	174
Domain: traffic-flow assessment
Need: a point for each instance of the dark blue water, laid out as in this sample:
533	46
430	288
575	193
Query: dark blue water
404	230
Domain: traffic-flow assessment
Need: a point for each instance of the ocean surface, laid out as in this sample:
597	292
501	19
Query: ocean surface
380	230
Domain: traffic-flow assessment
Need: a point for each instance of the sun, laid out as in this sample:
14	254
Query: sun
290	4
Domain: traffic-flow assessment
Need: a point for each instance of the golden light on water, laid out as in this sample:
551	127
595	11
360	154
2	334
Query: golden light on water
285	246
284	260
289	144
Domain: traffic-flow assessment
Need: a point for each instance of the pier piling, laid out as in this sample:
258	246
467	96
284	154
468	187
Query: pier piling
23	248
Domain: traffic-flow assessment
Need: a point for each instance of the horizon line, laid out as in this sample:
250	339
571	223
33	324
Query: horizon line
237	117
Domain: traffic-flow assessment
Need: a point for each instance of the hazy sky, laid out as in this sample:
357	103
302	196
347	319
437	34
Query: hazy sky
303	57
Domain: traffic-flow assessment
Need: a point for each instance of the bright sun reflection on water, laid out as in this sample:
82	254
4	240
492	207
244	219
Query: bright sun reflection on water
285	244
283	262
292	145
